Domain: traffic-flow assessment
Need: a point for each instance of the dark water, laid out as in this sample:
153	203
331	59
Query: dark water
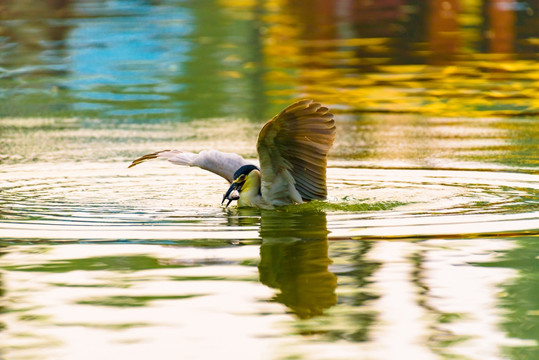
427	247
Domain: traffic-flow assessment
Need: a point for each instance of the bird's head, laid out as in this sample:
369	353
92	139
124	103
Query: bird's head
240	176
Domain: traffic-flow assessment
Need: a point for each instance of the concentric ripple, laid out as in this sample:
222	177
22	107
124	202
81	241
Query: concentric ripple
103	201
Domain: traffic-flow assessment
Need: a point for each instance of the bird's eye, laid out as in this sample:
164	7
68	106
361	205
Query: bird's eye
240	178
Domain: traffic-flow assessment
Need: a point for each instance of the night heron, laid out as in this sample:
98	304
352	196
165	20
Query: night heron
292	149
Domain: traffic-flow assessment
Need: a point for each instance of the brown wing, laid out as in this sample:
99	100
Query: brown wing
293	149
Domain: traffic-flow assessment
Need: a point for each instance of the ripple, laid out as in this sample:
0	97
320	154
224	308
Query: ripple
159	202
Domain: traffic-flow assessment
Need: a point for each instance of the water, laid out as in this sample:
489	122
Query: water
427	245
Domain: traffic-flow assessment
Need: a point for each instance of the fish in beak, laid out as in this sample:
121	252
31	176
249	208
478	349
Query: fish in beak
233	192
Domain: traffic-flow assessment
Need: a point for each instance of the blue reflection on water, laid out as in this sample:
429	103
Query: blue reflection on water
144	50
53	55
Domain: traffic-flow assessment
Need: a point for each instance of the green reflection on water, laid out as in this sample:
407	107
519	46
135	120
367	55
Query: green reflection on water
111	263
115	285
132	301
519	297
294	259
114	326
356	320
351	206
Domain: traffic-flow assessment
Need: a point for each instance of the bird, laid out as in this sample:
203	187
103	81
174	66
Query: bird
292	149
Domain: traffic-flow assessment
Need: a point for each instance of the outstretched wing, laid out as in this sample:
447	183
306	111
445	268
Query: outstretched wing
220	163
293	149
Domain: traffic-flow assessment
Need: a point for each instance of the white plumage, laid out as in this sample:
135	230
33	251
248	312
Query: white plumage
220	163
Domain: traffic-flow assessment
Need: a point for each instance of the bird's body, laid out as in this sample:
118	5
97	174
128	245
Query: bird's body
250	196
292	148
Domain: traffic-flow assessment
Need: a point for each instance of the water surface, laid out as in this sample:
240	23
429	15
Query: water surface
427	245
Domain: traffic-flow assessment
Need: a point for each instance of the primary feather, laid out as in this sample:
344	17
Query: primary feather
293	149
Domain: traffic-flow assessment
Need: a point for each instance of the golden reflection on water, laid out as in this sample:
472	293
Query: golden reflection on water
381	67
294	259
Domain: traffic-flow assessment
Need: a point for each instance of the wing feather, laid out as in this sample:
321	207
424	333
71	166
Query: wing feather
293	149
220	163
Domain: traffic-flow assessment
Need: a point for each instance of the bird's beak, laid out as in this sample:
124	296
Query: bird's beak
232	193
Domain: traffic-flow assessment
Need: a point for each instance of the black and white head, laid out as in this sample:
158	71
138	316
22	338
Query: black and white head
240	176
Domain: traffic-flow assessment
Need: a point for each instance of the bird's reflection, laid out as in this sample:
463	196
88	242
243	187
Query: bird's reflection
294	259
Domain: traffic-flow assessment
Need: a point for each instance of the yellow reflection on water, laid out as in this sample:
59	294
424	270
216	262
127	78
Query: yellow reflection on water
294	259
416	59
